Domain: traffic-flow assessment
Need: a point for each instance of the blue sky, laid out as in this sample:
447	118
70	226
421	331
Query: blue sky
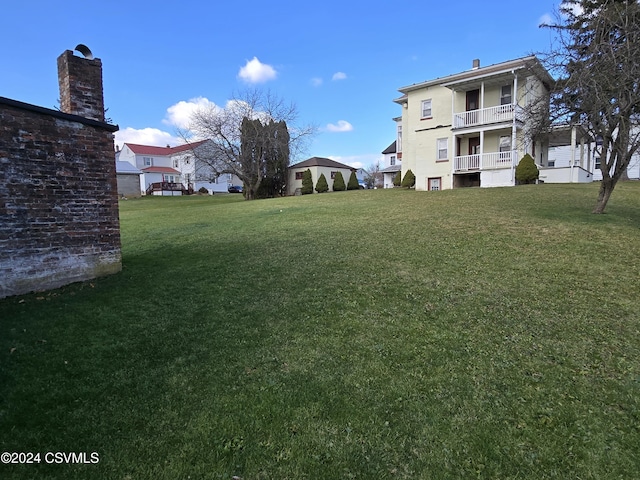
341	62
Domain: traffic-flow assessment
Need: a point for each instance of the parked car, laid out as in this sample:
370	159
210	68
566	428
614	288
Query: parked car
235	189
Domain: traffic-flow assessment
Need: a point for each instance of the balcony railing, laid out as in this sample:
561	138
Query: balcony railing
486	161
486	116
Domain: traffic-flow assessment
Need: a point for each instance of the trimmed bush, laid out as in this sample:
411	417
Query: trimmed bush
397	180
409	179
307	182
527	171
353	182
203	191
322	186
338	183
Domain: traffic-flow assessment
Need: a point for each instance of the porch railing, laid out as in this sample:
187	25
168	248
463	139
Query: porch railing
168	186
485	116
486	161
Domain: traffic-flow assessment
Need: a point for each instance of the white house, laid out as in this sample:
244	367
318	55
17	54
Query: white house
176	170
391	166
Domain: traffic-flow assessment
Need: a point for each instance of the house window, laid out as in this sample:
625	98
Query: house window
176	163
426	108
392	161
299	175
148	161
598	163
551	163
333	175
505	143
443	149
505	95
399	142
433	184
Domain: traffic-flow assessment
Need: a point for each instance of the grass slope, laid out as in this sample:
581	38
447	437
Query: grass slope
369	334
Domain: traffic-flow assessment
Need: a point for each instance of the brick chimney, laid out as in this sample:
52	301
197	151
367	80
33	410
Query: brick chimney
80	81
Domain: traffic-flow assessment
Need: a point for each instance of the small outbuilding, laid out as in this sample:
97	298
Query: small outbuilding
318	166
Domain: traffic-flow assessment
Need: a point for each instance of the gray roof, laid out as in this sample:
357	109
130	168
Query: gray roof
126	167
392	169
321	162
390	149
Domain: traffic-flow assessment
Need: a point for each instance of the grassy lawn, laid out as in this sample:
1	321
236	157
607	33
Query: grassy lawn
371	334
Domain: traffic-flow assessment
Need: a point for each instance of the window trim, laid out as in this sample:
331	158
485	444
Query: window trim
422	109
503	96
438	149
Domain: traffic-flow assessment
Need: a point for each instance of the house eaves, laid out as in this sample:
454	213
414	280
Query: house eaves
478	74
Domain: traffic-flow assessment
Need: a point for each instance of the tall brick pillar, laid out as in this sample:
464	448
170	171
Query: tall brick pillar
80	81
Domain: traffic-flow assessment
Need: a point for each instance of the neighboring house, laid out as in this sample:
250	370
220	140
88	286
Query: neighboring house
318	166
469	129
175	170
128	178
392	165
579	156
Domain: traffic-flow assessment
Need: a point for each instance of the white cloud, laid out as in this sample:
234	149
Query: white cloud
342	126
545	19
339	76
179	115
146	136
316	81
359	161
257	72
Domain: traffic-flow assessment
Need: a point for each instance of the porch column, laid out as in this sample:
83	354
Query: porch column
573	150
481	148
514	101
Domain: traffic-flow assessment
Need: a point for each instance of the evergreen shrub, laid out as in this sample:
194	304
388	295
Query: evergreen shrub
527	171
338	183
409	179
322	186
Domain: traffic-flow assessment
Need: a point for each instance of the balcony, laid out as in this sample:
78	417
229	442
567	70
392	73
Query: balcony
487	116
486	161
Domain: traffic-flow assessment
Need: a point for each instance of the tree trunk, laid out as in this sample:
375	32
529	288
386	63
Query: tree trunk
606	189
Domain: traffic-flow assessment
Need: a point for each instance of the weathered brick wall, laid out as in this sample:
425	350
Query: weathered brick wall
58	199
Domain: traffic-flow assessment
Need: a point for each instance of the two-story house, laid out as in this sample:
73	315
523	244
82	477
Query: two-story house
176	170
470	128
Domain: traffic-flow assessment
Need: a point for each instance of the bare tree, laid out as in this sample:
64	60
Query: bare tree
596	61
224	128
373	176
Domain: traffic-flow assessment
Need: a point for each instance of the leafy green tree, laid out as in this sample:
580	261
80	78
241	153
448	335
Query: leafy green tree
527	171
595	60
322	186
353	182
338	183
307	182
397	180
409	179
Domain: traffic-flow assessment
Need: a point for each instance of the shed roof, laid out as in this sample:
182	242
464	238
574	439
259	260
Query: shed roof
321	162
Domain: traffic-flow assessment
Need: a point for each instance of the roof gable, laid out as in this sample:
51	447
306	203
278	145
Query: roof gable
390	149
162	151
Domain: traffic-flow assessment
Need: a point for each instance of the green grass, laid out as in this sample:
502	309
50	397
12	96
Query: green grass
370	334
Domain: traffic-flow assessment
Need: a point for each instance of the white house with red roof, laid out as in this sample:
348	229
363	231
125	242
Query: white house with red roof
175	170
